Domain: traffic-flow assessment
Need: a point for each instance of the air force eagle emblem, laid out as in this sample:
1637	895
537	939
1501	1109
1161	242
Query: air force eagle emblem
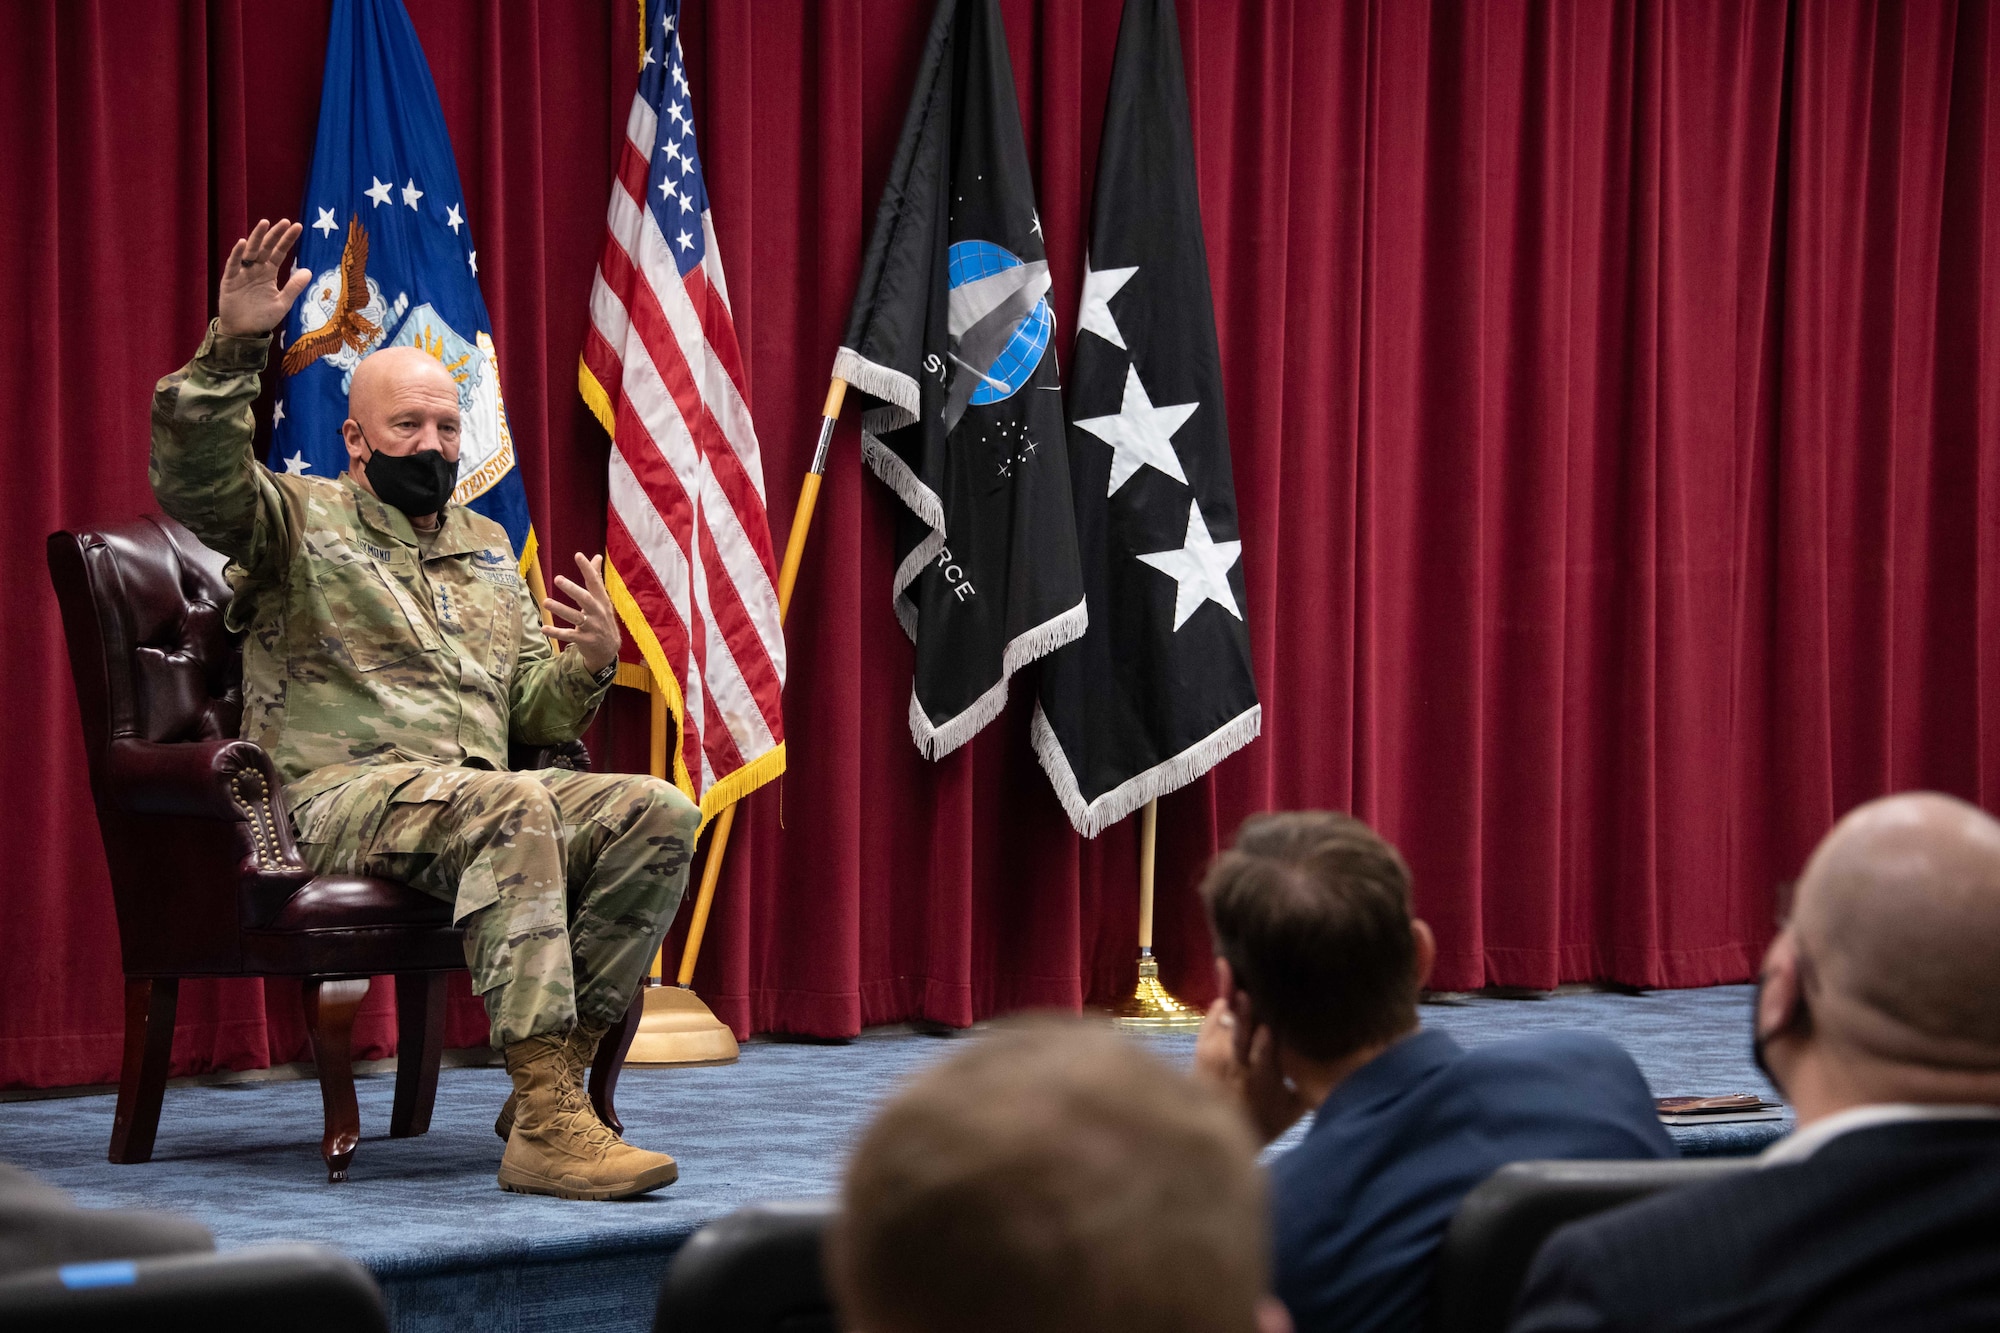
343	314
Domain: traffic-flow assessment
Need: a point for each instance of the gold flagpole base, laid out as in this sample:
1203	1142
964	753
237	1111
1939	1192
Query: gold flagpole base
1152	1008
678	1029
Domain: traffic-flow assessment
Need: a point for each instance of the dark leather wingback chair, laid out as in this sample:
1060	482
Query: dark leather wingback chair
205	876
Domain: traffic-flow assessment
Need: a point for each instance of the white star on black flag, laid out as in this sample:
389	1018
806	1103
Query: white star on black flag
1159	688
1094	312
1199	569
1139	433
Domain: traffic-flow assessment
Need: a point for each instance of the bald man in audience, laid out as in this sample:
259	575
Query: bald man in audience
1878	1015
391	655
1055	1178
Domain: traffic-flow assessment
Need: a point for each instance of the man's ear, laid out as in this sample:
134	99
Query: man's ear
1230	989
1241	1008
350	435
1778	994
1426	950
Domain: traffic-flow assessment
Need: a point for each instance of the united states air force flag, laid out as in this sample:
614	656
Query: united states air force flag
952	334
393	264
1160	689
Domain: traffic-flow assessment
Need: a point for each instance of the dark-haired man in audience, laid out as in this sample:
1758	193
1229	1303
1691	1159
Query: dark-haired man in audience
1319	964
1054	1179
1878	1014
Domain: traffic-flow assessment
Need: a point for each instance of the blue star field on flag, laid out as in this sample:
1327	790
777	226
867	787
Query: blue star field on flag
394	264
675	191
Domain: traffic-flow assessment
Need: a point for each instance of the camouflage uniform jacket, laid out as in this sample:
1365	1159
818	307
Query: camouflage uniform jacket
363	644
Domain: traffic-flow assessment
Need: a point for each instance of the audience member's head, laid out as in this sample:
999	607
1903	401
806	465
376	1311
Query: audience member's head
1884	986
1310	911
1054	1178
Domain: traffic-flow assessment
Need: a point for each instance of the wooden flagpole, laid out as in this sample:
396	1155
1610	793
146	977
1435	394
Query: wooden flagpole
536	585
703	1045
1151	1008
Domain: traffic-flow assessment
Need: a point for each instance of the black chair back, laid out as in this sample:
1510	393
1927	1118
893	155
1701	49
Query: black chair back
1501	1225
269	1289
754	1271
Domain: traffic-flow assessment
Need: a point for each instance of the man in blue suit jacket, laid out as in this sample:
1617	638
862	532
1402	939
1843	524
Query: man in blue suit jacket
1319	964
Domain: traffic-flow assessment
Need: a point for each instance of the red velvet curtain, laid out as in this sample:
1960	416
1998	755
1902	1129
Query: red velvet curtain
1611	387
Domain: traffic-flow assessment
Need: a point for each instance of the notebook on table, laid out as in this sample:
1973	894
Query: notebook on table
1723	1109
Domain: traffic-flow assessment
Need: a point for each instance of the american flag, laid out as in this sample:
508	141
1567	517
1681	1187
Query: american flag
689	549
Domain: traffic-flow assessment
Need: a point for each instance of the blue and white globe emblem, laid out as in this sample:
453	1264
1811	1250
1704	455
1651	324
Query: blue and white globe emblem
969	261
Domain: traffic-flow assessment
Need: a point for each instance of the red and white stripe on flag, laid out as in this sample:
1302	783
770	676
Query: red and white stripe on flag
689	562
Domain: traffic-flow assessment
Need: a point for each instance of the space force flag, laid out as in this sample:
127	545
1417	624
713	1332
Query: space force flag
1160	688
952	335
393	265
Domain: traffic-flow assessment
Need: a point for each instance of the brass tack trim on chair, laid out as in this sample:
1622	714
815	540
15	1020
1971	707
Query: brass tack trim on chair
253	796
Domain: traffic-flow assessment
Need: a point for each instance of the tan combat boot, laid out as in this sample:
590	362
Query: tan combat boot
578	1052
557	1146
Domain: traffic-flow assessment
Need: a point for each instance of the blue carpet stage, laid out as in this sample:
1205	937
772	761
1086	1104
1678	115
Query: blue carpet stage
453	1251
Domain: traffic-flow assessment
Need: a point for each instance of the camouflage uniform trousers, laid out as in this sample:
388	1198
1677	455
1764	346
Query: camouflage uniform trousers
565	882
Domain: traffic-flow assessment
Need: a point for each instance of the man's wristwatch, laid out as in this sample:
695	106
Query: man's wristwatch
606	676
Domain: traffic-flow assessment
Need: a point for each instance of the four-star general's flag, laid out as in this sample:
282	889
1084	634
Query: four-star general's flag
689	550
1160	689
387	240
951	331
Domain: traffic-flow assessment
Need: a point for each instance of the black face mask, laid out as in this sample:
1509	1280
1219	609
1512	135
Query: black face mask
418	484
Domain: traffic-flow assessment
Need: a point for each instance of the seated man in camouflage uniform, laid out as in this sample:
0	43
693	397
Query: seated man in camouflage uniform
391	652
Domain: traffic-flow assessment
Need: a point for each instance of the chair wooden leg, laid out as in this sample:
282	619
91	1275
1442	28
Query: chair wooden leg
330	1007
610	1059
150	1003
419	1048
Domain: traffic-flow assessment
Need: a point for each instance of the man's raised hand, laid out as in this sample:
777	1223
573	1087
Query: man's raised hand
593	624
250	303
